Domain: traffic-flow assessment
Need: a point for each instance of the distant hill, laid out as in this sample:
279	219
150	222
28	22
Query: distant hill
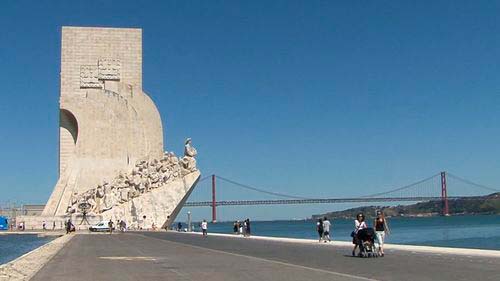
489	204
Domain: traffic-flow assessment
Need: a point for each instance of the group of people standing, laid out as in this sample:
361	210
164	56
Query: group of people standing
381	230
242	228
323	227
120	224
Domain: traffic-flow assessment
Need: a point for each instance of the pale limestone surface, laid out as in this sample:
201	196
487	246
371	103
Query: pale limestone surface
108	125
159	205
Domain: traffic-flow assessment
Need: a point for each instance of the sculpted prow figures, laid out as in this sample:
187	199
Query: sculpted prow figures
146	176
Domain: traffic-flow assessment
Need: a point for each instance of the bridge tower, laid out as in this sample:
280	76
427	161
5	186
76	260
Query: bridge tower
444	194
214	203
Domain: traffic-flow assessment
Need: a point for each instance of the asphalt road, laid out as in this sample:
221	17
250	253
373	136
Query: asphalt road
180	256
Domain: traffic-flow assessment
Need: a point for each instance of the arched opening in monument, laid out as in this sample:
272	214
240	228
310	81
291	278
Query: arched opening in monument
68	121
68	136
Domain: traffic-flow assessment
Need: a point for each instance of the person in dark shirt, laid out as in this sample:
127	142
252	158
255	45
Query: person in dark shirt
247	227
235	227
381	230
319	228
110	225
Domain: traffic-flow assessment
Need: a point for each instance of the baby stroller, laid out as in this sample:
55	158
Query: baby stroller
366	243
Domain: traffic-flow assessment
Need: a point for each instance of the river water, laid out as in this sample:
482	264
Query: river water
480	232
15	245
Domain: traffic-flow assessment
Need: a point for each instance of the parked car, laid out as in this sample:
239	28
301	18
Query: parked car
100	227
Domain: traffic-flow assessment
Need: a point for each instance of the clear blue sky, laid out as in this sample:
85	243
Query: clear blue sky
313	98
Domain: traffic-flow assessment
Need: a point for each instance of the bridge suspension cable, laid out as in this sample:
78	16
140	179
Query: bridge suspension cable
204	178
403	187
259	190
472	183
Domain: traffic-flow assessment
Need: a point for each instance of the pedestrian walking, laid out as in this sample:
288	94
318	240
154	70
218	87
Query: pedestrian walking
359	223
110	225
326	229
121	226
69	226
319	229
44	225
381	230
247	228
204	228
53	225
235	227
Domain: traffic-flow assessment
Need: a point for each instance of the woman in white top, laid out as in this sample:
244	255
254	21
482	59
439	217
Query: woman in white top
359	223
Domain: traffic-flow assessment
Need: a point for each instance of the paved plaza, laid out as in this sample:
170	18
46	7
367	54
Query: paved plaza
180	256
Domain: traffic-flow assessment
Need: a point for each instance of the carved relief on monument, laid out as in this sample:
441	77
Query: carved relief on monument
106	69
109	69
89	77
146	176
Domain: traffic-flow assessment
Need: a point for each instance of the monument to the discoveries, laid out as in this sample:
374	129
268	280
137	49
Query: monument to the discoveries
111	159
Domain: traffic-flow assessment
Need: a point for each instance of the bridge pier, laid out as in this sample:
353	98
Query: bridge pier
214	203
444	195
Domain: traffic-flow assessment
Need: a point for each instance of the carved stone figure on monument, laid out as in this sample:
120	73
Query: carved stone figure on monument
119	181
188	161
153	165
163	169
189	150
154	178
145	183
99	192
92	203
175	166
109	197
72	203
74	198
124	194
99	195
136	179
133	193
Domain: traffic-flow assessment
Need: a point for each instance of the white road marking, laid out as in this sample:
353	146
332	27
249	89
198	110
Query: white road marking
129	258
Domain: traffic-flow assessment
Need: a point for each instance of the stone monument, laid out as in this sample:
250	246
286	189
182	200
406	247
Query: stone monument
111	157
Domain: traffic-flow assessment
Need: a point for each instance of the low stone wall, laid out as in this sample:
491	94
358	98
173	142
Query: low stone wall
25	267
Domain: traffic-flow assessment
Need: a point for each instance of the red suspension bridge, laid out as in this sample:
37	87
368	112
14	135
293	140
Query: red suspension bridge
433	188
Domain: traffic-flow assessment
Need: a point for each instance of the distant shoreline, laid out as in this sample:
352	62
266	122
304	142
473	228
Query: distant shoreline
348	218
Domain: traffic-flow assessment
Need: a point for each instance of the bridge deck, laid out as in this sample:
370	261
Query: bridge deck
175	256
320	201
